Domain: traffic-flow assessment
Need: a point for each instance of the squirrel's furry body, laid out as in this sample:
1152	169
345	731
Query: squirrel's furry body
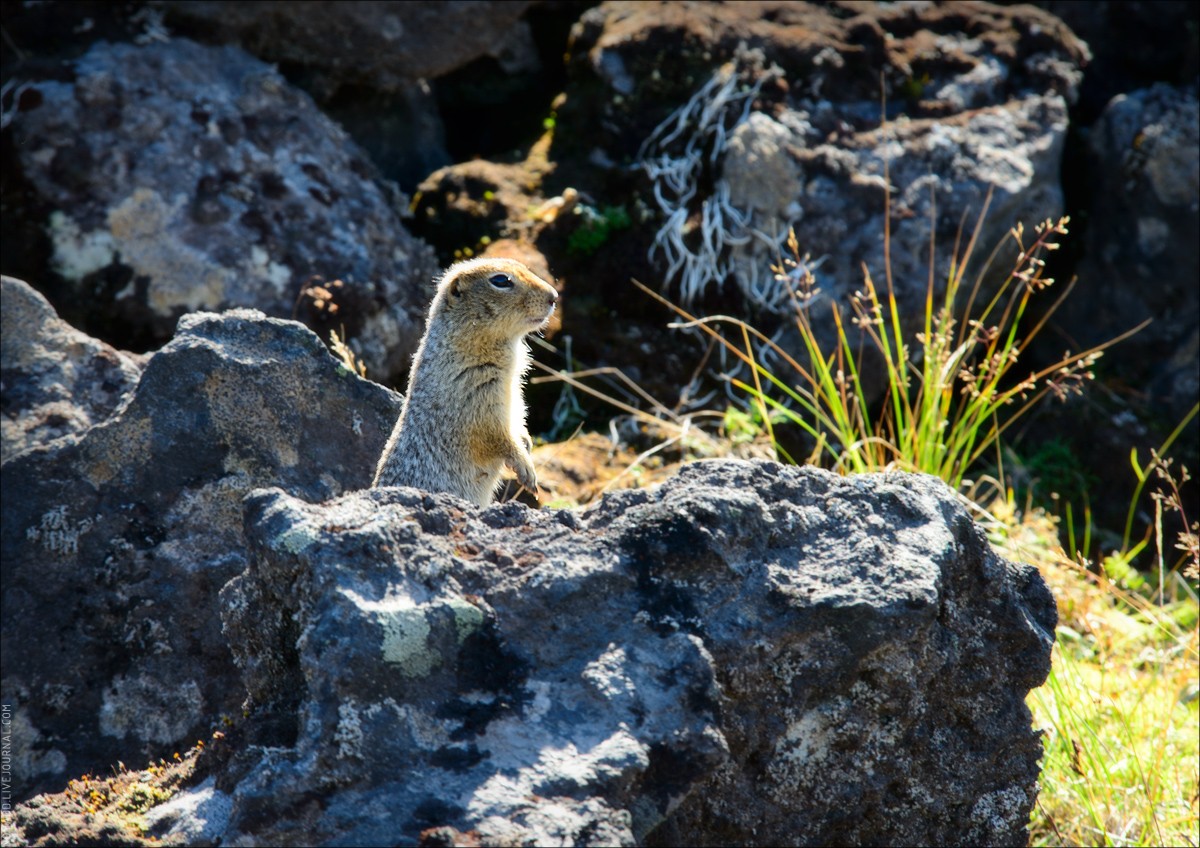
463	417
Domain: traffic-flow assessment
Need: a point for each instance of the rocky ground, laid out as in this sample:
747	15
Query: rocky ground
748	653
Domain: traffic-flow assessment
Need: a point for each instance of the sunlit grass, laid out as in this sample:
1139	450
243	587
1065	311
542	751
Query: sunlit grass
953	387
1119	709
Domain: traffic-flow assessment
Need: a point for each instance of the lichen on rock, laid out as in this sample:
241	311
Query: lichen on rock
771	654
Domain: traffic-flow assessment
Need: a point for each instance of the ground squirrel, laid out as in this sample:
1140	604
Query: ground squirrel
464	414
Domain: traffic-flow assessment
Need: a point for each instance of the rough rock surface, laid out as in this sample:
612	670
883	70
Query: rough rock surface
54	380
748	654
379	44
1141	258
183	178
956	55
116	539
369	65
789	133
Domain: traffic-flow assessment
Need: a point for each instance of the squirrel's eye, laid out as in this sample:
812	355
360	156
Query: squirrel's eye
501	281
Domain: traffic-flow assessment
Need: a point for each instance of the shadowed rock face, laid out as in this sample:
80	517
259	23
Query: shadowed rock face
380	44
54	380
1142	259
116	538
749	654
184	178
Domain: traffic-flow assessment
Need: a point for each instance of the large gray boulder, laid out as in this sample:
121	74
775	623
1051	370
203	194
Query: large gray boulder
117	537
54	380
181	178
748	654
378	44
770	119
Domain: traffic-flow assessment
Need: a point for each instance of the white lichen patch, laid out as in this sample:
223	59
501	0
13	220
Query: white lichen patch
76	253
427	733
349	733
279	276
608	675
143	708
405	632
994	811
144	229
806	742
57	533
406	641
296	539
468	618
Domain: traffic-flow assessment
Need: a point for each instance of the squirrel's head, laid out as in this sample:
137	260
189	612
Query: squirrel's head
501	295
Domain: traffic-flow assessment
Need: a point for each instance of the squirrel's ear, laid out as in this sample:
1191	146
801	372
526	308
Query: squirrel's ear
454	288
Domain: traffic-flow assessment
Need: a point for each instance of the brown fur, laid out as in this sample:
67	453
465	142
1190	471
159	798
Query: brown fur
463	418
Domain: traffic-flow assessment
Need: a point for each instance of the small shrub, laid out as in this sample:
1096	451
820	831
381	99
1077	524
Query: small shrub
597	228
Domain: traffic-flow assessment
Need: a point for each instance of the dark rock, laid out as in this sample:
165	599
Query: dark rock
462	206
934	59
385	45
1134	43
400	130
116	539
749	654
54	380
184	177
1141	258
787	135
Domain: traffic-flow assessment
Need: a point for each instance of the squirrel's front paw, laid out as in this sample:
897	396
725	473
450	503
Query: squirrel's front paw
526	476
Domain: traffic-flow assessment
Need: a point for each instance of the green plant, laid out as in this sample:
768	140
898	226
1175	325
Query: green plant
596	228
1049	475
949	397
1118	712
740	426
1157	466
1121	749
913	87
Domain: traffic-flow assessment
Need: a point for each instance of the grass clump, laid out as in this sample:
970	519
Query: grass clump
948	398
345	354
